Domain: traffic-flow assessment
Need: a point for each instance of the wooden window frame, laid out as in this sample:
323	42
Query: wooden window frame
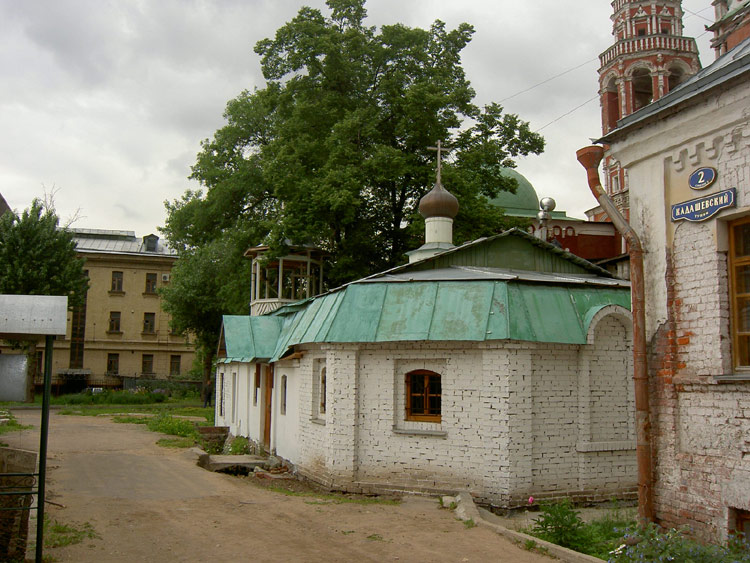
150	283
256	387
144	362
175	361
115	322
149	323
282	398
113	360
322	391
423	416
735	262
117	282
741	517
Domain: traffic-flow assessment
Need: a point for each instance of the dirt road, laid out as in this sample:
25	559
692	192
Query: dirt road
149	503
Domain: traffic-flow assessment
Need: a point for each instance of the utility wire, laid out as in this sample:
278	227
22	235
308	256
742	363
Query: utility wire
549	79
568	113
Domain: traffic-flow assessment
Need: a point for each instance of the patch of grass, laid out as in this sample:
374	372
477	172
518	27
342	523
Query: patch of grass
239	446
167	424
12	425
468	524
347	532
110	398
129	419
61	535
179	442
375	537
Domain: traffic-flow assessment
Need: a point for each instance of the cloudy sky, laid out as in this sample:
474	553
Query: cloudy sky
105	102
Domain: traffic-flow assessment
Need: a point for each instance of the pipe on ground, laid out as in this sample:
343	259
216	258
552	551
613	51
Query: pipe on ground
590	157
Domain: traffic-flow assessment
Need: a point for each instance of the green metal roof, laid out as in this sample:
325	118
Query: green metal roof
249	338
475	311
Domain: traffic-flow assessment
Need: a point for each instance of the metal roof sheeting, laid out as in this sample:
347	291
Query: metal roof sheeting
481	310
250	338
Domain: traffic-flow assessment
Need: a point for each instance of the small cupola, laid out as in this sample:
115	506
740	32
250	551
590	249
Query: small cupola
438	207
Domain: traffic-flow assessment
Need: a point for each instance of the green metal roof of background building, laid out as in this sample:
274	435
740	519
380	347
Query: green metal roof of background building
524	202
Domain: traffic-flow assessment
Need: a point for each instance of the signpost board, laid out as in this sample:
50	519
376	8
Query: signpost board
703	208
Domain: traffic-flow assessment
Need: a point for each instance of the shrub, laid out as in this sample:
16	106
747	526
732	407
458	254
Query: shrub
239	446
560	523
651	543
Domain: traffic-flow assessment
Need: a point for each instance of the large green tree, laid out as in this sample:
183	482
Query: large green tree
39	258
334	149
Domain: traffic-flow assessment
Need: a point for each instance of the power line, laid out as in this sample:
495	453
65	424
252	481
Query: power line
549	79
567	113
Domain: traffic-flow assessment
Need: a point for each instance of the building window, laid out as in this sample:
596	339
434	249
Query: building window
283	395
739	273
322	391
221	394
256	387
742	521
117	282
114	321
147	364
113	364
423	396
174	365
149	322
150	283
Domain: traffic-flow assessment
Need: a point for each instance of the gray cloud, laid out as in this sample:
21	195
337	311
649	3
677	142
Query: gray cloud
109	100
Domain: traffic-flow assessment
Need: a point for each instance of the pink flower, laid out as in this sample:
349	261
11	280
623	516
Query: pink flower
531	500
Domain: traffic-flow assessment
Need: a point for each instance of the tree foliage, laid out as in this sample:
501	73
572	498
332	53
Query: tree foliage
334	150
38	258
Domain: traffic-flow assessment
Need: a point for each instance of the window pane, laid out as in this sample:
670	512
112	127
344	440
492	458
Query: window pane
434	404
434	385
417	404
417	384
742	278
743	314
743	354
742	240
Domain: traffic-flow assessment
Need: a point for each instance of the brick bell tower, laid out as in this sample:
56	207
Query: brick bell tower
649	58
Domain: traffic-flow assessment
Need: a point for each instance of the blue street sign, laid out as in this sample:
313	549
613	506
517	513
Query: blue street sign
704	207
702	178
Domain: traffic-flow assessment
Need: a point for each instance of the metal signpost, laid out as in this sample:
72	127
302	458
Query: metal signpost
28	317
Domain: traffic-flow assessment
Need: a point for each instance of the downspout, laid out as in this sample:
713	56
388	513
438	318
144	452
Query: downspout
590	157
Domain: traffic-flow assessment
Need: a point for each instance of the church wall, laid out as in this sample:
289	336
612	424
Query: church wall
510	428
699	402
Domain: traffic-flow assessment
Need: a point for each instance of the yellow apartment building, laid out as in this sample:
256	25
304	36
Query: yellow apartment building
121	334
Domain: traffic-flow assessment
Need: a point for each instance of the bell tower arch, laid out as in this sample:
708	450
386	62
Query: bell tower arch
649	58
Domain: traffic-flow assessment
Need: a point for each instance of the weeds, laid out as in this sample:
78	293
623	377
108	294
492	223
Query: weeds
239	446
561	524
468	524
11	425
61	535
651	543
179	442
375	537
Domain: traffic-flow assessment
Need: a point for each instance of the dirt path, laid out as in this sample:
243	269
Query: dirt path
149	503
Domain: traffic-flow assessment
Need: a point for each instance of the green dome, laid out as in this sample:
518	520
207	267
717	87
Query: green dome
523	203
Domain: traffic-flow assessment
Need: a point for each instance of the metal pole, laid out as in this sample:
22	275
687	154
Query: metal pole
43	448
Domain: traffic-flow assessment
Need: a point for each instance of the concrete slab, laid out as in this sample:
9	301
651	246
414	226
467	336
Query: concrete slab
224	462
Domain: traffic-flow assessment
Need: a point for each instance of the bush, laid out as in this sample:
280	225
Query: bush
560	523
239	446
651	543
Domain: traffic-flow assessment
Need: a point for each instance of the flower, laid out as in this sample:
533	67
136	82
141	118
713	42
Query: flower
531	500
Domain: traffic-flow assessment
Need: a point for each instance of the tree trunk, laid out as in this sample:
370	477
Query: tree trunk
31	371
208	360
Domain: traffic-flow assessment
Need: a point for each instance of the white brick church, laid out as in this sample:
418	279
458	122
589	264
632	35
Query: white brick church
501	367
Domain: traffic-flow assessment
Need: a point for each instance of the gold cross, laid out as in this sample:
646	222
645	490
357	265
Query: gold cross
440	149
